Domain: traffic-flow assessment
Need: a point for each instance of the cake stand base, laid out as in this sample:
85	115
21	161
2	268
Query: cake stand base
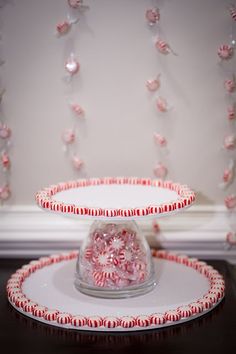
186	289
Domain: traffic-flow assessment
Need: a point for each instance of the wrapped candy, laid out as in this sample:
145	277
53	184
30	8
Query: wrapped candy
230	142
230	201
160	171
160	139
232	11
72	66
77	4
228	175
77	109
5	160
225	51
152	16
77	162
229	85
65	26
5	131
231	112
153	84
162	46
68	136
231	238
5	192
161	104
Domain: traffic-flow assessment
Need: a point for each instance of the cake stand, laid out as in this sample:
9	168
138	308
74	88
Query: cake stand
116	282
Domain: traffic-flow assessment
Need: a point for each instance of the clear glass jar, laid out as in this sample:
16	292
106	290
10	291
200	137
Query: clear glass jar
114	261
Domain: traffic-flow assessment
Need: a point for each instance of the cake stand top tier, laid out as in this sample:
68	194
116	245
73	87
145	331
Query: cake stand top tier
116	198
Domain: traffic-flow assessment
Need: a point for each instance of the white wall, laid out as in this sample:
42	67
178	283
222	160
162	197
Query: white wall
115	48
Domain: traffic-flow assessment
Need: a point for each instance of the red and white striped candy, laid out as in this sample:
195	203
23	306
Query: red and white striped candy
162	46
160	170
103	258
231	238
63	27
182	259
229	85
230	201
94	211
157	319
35	264
88	253
64	318
110	212
196	307
225	51
153	84
127	321
68	136
39	311
72	66
230	142
200	265
172	315
217	292
154	209
161	104
51	315
126	212
125	256
206	303
21	301
185	311
80	210
211	297
232	11
78	321
160	140
94	321
141	211
29	306
75	4
116	243
55	258
152	16
111	322
231	112
45	261
143	321
13	291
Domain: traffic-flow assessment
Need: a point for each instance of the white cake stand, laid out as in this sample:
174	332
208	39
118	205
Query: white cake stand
186	288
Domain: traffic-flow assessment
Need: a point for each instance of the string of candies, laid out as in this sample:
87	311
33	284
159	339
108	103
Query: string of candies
69	136
226	53
153	86
5	136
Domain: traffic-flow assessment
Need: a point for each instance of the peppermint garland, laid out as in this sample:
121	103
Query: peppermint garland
153	86
69	136
5	135
226	54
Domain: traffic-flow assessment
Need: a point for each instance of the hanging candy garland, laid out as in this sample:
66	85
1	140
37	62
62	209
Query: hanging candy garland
226	52
153	85
5	163
72	68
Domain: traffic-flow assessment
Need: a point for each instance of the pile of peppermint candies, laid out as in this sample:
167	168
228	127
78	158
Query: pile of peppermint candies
114	257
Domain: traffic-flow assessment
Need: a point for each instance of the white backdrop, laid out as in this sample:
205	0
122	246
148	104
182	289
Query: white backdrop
117	55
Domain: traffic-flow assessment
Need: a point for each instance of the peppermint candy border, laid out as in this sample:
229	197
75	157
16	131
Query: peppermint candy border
44	198
19	300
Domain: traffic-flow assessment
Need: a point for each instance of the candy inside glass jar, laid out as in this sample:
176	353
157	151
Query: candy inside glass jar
114	261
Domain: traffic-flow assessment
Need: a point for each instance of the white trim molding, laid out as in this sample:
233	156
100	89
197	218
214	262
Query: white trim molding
27	231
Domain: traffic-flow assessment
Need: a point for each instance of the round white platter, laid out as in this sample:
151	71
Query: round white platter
179	286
